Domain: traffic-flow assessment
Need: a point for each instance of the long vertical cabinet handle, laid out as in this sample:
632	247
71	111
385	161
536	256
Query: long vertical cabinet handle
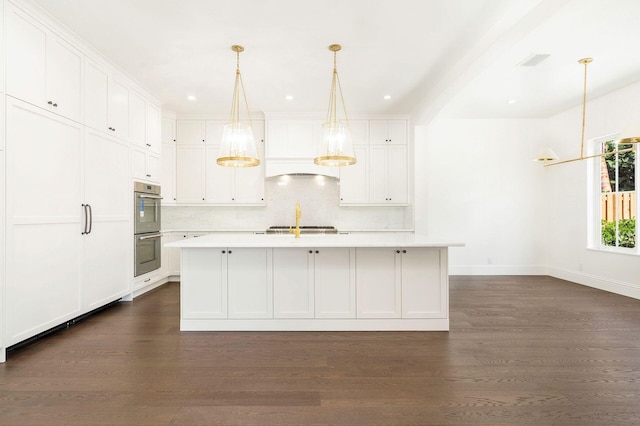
84	212
90	218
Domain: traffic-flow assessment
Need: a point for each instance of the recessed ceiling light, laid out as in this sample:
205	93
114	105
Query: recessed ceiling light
511	101
289	97
191	98
387	97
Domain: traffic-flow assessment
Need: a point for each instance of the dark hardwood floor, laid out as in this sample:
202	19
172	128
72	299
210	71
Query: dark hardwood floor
521	351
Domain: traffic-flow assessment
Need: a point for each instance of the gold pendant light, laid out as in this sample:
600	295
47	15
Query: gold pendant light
336	147
238	147
548	155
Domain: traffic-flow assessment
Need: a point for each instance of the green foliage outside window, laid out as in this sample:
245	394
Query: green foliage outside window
626	233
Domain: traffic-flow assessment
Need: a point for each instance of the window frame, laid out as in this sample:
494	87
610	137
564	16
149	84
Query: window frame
594	192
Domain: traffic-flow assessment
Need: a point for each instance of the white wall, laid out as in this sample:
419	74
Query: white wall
476	183
567	254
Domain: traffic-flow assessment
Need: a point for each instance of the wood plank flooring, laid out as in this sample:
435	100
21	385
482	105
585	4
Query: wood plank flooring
521	351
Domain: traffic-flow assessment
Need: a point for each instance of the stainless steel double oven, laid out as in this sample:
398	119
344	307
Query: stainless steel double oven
147	225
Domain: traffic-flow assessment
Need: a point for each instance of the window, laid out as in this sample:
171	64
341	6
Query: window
617	197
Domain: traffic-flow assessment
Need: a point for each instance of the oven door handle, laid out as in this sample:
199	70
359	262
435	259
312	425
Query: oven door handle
155	197
147	237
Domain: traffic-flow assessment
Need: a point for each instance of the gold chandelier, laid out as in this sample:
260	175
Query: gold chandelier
336	147
628	137
238	147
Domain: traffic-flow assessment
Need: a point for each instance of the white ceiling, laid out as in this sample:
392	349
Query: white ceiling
455	57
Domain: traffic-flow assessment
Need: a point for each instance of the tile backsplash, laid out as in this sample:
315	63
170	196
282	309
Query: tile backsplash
319	202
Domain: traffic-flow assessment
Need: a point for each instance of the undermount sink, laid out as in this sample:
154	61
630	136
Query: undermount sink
303	230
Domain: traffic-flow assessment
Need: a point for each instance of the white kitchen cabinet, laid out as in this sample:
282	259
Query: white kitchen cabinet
207	270
55	169
380	175
401	283
190	174
108	248
233	185
378	282
425	287
335	282
234	283
106	102
199	178
190	132
388	174
354	179
385	132
42	69
168	130
168	173
314	283
293	138
146	165
293	283
144	123
168	160
173	254
44	220
250	283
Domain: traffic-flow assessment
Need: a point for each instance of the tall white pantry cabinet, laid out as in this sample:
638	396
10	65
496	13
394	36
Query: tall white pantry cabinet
71	129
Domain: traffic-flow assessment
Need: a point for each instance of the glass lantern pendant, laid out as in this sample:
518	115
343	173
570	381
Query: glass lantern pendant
336	147
238	146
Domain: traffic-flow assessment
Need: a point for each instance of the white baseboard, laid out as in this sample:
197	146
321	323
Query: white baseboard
497	270
606	284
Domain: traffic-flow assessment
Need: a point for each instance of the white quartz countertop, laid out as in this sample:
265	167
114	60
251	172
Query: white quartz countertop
312	240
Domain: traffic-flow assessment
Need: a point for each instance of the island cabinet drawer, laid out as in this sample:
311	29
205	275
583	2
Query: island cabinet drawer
314	282
401	283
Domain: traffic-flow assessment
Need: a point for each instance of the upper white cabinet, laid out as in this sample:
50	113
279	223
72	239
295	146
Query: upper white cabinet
190	132
293	138
42	69
382	132
144	123
106	101
144	132
168	161
199	178
380	175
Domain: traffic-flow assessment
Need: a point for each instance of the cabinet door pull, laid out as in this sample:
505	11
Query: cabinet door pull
84	212
224	251
148	144
229	251
310	251
50	103
55	105
404	251
397	251
90	218
148	175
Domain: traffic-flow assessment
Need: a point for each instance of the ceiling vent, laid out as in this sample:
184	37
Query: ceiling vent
534	59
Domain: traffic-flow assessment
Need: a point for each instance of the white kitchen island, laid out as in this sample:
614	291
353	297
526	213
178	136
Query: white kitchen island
352	282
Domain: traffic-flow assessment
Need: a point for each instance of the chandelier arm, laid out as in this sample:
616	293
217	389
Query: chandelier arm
604	154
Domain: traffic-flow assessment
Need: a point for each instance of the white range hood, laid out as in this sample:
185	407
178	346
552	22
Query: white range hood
297	166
